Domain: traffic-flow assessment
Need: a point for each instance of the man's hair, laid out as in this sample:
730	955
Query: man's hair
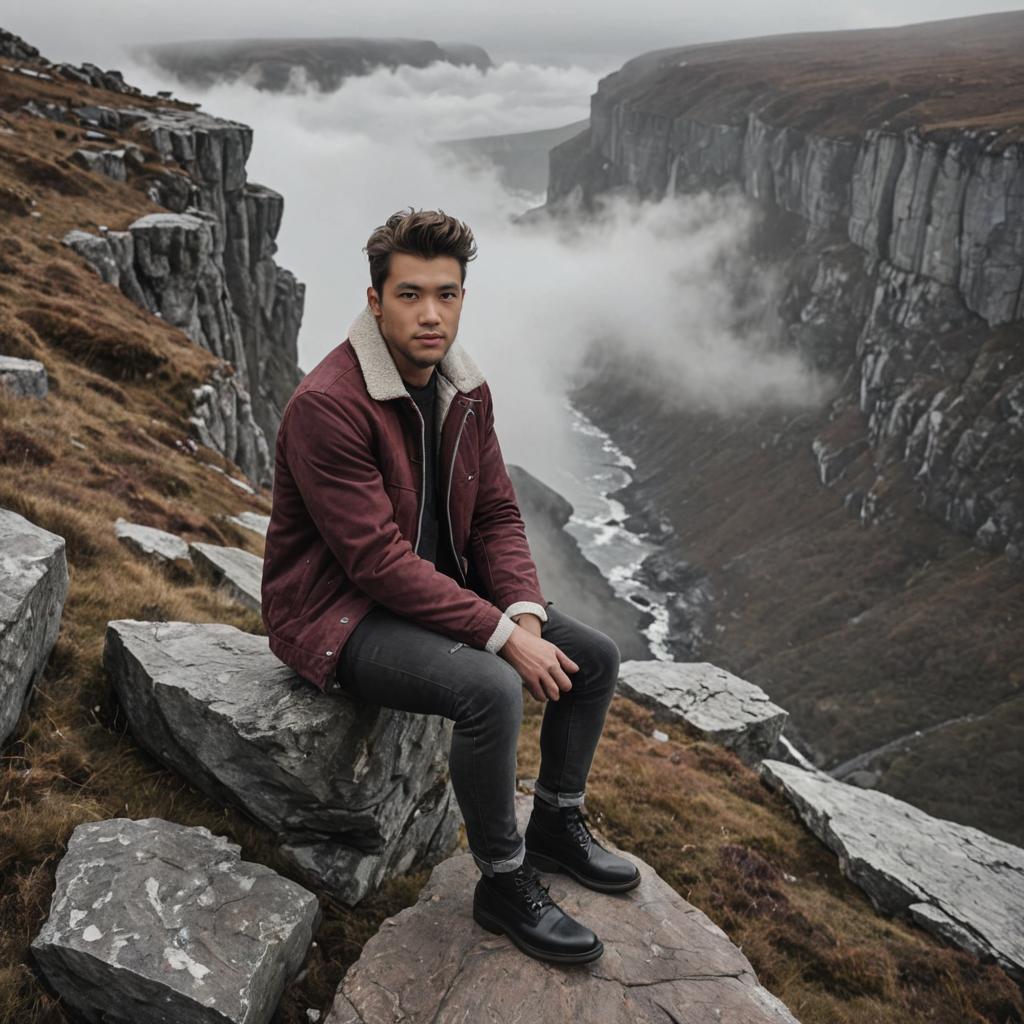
426	233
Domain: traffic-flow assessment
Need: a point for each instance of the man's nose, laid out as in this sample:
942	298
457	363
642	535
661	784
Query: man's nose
429	312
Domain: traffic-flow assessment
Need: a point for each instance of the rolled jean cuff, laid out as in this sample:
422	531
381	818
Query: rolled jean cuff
489	867
558	799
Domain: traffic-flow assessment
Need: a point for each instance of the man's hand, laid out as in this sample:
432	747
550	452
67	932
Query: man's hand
541	664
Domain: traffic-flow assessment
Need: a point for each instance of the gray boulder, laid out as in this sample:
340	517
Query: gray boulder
109	162
238	572
33	589
252	521
147	540
222	415
953	880
720	706
664	960
357	793
152	922
24	377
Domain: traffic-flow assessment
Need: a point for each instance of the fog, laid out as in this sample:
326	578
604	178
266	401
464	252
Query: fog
650	280
657	282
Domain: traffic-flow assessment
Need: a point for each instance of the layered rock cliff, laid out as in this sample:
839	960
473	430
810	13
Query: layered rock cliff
207	266
891	176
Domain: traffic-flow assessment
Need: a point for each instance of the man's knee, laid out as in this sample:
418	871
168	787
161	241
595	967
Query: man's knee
606	654
496	691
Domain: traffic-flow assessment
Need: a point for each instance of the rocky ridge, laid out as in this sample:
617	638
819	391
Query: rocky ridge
903	250
207	267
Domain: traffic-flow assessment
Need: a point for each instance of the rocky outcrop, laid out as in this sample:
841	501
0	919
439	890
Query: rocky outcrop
252	521
207	266
266	299
114	163
718	705
956	881
663	960
33	589
151	542
238	572
151	922
13	47
23	377
356	794
907	268
165	263
223	418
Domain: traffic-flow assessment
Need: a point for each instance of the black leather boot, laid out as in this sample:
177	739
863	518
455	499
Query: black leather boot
557	839
517	904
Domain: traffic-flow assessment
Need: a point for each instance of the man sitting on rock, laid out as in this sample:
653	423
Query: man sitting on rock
397	569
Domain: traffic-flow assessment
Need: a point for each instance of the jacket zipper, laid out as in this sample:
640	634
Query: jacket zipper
423	472
448	496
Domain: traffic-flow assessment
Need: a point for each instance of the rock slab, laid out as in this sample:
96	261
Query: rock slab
719	705
24	377
252	521
664	960
239	572
152	921
954	880
151	542
33	589
357	793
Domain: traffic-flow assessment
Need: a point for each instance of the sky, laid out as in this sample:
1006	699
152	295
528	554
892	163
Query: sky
594	35
659	281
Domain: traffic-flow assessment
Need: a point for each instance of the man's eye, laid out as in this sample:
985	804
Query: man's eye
402	295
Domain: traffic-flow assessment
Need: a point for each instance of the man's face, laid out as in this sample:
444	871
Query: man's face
418	312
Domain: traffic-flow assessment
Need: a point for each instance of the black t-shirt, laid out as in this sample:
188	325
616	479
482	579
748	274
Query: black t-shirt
435	545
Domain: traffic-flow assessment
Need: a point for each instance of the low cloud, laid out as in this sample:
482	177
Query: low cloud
658	282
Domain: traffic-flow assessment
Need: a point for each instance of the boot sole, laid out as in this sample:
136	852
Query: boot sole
544	863
493	924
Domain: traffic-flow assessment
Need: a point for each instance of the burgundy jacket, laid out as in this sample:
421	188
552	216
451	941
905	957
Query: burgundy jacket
346	516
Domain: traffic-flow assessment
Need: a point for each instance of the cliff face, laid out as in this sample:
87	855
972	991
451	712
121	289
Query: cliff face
208	267
905	254
863	557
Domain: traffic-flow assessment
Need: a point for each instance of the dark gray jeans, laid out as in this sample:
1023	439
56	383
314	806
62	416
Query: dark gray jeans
393	662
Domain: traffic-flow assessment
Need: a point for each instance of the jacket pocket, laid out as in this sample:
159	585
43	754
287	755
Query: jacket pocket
405	503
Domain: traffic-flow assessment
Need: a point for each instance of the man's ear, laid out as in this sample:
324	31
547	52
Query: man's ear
373	301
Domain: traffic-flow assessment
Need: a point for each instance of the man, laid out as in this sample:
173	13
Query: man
394	532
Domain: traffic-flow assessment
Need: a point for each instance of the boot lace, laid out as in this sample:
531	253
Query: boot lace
576	825
532	890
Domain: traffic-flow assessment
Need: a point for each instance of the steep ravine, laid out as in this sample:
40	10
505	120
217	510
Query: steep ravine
865	558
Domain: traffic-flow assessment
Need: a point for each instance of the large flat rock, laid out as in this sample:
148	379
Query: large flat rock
956	881
720	706
33	589
239	572
664	961
158	545
356	792
252	521
152	922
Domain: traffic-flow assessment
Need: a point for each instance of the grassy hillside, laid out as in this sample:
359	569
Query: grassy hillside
865	636
104	444
841	83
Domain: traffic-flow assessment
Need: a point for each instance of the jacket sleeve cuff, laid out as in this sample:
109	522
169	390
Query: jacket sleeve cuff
518	607
504	629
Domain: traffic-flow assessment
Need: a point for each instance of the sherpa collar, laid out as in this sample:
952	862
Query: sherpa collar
383	381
